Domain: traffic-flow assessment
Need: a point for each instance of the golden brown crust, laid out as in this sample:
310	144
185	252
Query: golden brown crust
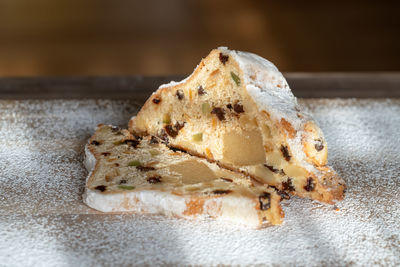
288	129
194	206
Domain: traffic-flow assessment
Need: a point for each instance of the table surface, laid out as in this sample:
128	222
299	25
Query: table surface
43	221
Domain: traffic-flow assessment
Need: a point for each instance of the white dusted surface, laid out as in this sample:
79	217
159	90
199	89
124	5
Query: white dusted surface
44	222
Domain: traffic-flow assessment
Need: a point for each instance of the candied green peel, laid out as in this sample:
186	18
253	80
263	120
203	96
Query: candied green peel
235	78
134	163
117	143
205	108
166	119
126	187
154	152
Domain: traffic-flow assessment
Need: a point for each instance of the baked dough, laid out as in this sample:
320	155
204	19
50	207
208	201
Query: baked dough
237	109
140	174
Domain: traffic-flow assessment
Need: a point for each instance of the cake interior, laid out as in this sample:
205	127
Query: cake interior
212	115
127	163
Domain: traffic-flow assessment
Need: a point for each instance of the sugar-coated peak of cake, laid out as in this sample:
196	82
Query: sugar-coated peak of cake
267	86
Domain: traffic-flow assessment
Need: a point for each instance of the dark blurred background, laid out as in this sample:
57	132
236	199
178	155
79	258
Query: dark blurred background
102	37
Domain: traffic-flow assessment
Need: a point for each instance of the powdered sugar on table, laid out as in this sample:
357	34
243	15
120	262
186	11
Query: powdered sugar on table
44	222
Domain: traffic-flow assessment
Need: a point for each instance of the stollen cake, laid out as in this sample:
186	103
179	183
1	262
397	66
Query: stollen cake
236	109
140	174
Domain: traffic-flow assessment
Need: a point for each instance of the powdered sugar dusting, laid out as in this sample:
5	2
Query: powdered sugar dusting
41	157
267	86
271	93
44	222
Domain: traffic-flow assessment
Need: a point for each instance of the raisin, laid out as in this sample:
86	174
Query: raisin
265	201
285	153
283	194
133	143
105	154
154	179
229	106
145	169
318	145
171	131
271	168
137	137
288	185
96	143
219	112
179	125
223	58
101	188
163	136
153	140
310	184
123	181
221	192
177	149
116	164
156	100
238	108
227	179
179	94
201	90
115	129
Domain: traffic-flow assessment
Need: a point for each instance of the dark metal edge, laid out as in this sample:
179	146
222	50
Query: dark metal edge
304	85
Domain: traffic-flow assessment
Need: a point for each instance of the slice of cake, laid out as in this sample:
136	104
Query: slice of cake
140	174
237	109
